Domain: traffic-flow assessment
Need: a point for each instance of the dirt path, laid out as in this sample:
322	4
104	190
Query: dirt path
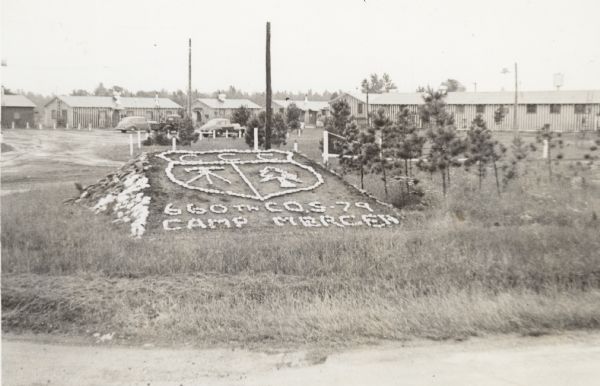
551	360
55	156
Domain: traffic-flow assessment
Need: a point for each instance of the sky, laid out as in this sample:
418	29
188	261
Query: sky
53	47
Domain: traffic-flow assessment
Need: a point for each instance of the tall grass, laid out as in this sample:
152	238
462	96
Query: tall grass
473	263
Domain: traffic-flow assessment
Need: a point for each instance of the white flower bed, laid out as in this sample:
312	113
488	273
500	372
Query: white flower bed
130	205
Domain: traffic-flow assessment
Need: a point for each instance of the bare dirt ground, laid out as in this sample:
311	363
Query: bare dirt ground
570	359
47	157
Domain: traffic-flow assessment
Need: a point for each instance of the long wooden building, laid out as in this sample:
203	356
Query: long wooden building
104	111
564	111
17	111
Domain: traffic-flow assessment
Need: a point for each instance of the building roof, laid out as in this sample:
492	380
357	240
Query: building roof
302	104
125	102
16	101
487	97
226	103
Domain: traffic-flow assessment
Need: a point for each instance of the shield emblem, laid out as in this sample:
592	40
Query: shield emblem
258	175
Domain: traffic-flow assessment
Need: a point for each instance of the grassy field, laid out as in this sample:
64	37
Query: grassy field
473	263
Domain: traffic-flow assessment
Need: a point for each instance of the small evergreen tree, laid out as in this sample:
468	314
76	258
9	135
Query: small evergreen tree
278	130
446	147
478	147
186	134
292	117
241	116
403	143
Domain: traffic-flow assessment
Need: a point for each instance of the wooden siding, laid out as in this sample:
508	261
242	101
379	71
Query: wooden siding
99	117
20	116
564	121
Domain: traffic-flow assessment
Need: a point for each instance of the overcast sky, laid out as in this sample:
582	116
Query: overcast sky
60	45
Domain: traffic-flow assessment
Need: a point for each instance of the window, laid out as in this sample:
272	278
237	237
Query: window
53	114
580	109
554	109
149	115
531	109
480	109
16	115
460	109
129	113
360	108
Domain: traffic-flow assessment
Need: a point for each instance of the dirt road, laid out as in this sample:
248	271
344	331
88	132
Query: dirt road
571	359
41	157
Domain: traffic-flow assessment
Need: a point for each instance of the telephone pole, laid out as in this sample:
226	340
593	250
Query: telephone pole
515	123
269	96
189	101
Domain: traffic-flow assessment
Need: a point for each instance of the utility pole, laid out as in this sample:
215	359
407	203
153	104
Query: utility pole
189	104
515	124
269	96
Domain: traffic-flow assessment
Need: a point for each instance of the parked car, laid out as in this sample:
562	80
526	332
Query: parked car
135	123
220	126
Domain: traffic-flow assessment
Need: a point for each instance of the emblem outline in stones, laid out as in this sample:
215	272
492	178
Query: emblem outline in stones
206	165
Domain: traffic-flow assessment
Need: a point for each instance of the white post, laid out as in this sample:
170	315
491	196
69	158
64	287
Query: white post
545	149
256	139
27	125
325	146
226	133
13	124
168	134
67	126
296	146
139	138
79	126
40	126
240	134
54	126
174	146
214	134
89	127
131	145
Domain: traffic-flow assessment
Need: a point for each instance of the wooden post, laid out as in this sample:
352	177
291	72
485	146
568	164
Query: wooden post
27	125
54	126
240	134
13	124
226	133
325	146
295	146
139	138
131	145
189	101
174	146
545	149
269	110
89	127
515	122
67	126
214	134
40	126
79	126
256	139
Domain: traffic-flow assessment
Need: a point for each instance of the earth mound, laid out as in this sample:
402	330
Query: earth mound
198	191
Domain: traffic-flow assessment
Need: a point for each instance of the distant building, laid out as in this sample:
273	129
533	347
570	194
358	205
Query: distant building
17	111
205	109
313	112
562	110
104	111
